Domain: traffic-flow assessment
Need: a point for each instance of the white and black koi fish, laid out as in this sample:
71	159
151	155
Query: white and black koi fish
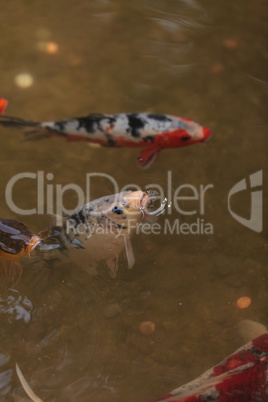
101	230
153	132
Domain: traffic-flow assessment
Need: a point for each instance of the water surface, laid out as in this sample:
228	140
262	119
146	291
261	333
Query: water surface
76	336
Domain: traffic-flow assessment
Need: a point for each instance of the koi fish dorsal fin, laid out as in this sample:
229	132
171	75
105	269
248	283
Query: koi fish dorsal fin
3	105
147	157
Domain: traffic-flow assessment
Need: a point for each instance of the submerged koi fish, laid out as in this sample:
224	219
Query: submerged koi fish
241	377
16	241
101	229
153	132
3	105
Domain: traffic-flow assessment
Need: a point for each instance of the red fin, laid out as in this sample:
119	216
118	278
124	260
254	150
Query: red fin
3	105
147	157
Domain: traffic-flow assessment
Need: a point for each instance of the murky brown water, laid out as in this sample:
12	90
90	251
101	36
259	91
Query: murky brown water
75	336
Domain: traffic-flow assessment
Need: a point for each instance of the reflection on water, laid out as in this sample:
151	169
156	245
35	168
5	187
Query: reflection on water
77	336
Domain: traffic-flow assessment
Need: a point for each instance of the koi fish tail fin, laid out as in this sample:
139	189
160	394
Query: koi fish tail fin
32	130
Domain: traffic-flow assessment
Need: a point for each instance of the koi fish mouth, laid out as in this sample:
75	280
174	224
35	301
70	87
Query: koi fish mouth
141	200
138	199
33	243
206	134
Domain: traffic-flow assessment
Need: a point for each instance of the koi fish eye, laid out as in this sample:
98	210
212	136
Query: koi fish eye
117	211
6	248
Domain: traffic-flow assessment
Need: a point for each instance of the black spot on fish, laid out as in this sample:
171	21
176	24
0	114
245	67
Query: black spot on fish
257	352
149	138
59	128
81	216
159	117
74	219
60	125
135	125
185	138
77	218
109	120
88	123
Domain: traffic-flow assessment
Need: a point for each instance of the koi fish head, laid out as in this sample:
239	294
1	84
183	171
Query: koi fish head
113	214
183	132
35	240
126	208
16	240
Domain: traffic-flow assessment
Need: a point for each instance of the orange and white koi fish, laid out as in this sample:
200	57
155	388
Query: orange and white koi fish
153	132
16	241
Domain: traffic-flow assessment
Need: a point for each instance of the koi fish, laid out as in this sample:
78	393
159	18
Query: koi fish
16	241
101	229
3	105
153	132
241	377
